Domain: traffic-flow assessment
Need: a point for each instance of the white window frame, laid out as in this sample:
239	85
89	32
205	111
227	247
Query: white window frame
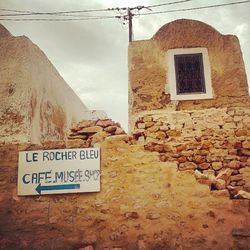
172	76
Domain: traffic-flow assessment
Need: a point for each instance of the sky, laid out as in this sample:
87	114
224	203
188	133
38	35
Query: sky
92	55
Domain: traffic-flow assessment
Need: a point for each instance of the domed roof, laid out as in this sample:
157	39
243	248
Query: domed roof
184	24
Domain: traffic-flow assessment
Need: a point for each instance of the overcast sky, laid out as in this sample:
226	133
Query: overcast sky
92	55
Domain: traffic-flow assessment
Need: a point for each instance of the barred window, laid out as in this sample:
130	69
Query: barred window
189	74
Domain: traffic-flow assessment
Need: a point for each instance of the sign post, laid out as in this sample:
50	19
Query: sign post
59	171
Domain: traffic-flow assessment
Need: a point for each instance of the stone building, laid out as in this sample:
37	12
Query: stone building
146	200
36	103
219	73
189	100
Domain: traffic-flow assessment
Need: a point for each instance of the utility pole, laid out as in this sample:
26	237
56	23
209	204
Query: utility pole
128	17
130	25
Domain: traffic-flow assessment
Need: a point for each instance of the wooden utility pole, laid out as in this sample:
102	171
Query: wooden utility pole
129	17
130	25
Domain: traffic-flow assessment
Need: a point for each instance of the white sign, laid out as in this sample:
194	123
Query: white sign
59	171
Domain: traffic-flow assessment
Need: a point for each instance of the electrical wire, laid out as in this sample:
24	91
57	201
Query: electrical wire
62	15
84	18
26	12
164	4
59	19
194	8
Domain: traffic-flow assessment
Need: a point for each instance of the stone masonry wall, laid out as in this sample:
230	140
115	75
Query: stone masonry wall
215	143
148	68
89	133
143	204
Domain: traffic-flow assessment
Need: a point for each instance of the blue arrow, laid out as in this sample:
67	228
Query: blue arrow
40	188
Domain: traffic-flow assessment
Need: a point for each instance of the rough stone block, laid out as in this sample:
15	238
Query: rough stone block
119	131
160	135
244	152
224	174
246	144
187	166
147	119
241	132
234	164
110	129
220	184
105	123
204	166
237	177
84	124
99	137
73	137
217	165
141	125
182	159
89	130
205	178
198	159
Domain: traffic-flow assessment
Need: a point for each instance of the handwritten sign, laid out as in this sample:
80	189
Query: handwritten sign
59	171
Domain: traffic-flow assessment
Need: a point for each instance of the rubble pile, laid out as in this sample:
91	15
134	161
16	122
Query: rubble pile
89	132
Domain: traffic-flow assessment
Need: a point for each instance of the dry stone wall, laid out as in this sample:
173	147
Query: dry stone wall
89	133
209	137
214	143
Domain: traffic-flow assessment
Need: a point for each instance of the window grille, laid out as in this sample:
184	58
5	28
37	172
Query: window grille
189	73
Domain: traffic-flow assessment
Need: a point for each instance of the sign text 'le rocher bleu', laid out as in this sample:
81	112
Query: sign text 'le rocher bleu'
59	171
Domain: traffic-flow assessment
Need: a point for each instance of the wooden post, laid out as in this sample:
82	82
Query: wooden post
130	25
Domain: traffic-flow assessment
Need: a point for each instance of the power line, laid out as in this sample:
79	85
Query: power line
60	13
26	12
56	14
29	13
59	19
164	4
194	8
128	16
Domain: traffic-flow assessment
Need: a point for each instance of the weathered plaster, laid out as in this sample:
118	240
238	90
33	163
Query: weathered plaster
36	103
148	72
